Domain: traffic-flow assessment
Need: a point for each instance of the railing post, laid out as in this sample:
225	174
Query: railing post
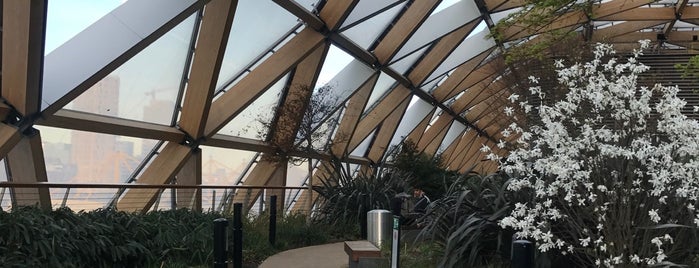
237	235
213	202
522	254
220	243
272	219
248	196
261	208
65	197
173	198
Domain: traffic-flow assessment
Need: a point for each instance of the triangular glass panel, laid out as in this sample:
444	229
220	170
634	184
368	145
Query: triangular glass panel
247	41
62	23
443	5
5	198
343	84
364	9
498	16
145	88
365	33
416	112
383	84
407	62
221	166
297	173
335	61
321	133
86	157
431	85
362	148
255	120
440	24
454	131
475	44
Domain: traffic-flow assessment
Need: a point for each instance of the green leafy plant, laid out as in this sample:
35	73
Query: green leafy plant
346	197
32	237
422	171
535	18
465	221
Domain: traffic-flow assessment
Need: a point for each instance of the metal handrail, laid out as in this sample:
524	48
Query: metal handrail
136	185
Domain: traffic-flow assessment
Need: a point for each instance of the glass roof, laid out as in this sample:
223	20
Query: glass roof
124	66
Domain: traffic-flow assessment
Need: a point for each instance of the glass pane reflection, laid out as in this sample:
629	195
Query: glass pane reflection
85	157
144	88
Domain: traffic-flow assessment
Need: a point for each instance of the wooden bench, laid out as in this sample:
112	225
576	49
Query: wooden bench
360	249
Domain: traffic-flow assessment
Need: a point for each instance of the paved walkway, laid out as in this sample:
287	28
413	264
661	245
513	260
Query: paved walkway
321	256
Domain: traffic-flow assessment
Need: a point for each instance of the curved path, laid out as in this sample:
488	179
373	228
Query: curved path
320	256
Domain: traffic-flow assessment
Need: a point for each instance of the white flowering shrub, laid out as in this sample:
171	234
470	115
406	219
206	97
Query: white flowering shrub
612	167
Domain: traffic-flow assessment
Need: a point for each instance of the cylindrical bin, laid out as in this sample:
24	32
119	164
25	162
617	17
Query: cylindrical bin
379	227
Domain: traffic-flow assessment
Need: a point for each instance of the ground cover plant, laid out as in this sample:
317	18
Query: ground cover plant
33	237
612	166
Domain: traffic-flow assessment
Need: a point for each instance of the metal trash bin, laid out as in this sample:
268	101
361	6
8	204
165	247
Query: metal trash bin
379	227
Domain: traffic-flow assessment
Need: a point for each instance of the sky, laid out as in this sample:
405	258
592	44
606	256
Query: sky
66	18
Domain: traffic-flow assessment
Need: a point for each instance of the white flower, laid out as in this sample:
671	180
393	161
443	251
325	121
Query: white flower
585	242
485	148
509	111
653	213
635	259
513	97
603	144
533	79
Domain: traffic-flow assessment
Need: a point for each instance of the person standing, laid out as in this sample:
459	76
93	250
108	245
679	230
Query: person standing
421	201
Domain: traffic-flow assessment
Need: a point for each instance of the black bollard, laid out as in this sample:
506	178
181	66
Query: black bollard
522	254
237	235
362	222
273	220
220	243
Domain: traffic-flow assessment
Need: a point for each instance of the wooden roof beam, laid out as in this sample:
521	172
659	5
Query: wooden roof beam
84	121
351	117
377	115
501	5
679	7
291	112
476	94
385	133
490	70
443	122
601	35
162	168
335	12
460	73
23	53
461	146
644	14
616	6
439	52
242	94
419	129
432	148
26	164
213	36
576	17
403	29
